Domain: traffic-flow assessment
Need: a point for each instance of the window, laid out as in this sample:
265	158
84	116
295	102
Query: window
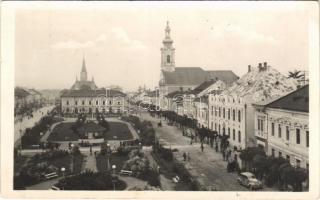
215	111
224	112
279	130
272	129
298	136
110	102
233	115
272	152
233	134
211	125
228	113
168	59
259	124
89	102
76	102
219	129
67	102
97	103
307	138
118	102
215	126
239	136
103	103
288	158
229	132
298	163
219	112
280	154
239	116
287	133
82	102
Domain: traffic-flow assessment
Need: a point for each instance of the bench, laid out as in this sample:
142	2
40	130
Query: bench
54	188
126	172
50	175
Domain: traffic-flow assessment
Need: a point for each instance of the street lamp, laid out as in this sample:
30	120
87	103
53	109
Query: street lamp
108	156
72	158
63	171
114	177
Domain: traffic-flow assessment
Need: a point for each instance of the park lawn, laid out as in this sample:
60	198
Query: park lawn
118	131
115	159
63	132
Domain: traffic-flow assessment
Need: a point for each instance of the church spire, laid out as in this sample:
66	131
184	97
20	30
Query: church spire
83	74
167	31
83	65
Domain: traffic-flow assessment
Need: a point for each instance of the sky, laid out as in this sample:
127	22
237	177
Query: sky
121	43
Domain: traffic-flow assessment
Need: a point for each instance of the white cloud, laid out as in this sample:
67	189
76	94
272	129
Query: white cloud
118	35
121	35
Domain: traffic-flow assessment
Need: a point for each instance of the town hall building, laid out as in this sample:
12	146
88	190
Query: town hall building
85	97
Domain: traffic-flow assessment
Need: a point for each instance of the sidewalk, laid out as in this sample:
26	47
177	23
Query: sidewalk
90	162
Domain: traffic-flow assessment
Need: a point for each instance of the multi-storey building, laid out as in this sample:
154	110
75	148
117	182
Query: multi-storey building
85	97
232	113
282	126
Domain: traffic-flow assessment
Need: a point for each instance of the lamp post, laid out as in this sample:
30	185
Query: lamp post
108	157
114	177
72	158
63	171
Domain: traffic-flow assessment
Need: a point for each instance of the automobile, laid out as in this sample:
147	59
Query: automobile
249	180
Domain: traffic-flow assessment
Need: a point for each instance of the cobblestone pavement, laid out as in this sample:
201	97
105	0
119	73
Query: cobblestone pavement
208	166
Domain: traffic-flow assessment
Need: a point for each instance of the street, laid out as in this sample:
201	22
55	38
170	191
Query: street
29	122
208	165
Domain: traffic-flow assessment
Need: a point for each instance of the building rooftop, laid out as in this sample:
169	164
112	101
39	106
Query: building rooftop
196	76
92	93
297	100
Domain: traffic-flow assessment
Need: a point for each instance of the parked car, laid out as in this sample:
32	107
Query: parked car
249	180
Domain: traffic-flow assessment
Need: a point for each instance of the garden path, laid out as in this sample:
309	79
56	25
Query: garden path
90	161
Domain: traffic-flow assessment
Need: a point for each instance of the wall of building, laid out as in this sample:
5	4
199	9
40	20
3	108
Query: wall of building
83	105
288	146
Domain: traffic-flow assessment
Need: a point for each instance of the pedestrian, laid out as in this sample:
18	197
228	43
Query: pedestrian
202	147
184	156
216	147
224	155
191	139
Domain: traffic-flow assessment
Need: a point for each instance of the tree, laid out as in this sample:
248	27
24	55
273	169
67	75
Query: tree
248	154
295	74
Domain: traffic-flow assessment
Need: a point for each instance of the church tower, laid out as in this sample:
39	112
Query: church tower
167	52
83	74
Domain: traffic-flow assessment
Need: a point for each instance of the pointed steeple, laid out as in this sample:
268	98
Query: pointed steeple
83	65
83	74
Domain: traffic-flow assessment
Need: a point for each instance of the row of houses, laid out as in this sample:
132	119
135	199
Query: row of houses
263	108
25	99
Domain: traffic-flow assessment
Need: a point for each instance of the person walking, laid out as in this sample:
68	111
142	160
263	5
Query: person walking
216	147
191	140
184	156
202	147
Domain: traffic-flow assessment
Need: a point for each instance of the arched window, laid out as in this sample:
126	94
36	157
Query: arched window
168	59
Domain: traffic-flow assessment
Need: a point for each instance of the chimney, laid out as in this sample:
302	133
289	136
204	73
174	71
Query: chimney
260	67
249	68
265	66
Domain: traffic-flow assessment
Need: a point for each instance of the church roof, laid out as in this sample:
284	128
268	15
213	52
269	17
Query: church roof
203	86
92	93
297	100
196	76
